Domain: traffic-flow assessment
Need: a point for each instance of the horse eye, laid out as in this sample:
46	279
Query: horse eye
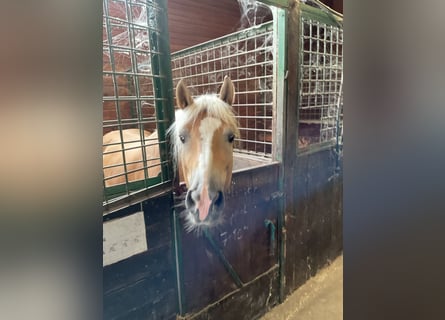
182	138
231	137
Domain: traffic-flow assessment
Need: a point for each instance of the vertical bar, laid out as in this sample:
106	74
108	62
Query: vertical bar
134	72
324	105
162	83
340	93
177	257
331	96
279	84
281	42
290	134
115	86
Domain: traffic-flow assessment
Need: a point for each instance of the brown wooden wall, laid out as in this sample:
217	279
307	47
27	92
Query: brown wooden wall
196	21
337	5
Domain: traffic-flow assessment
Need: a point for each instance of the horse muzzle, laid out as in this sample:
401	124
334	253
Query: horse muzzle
206	205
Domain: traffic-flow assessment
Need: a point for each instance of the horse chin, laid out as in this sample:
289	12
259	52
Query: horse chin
194	224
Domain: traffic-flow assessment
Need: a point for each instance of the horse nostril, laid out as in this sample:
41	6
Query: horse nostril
219	200
189	202
192	198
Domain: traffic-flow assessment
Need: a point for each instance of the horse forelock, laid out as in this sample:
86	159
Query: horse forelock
208	105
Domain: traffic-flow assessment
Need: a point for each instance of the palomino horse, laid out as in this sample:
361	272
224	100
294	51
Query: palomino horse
113	162
202	139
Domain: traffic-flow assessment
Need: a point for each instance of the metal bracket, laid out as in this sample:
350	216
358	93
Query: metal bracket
271	226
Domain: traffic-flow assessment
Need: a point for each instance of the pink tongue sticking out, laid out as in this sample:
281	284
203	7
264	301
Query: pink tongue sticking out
204	204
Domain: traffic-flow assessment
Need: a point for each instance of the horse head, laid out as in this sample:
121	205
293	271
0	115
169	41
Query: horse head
202	139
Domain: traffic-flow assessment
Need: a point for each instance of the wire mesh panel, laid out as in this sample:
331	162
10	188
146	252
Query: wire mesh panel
136	102
321	83
247	58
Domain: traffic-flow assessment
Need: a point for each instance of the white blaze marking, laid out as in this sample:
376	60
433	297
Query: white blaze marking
207	128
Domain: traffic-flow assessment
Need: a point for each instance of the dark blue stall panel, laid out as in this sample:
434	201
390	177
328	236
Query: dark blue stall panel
143	286
314	228
248	244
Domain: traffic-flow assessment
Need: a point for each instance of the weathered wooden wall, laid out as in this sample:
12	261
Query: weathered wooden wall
314	229
246	243
313	204
143	286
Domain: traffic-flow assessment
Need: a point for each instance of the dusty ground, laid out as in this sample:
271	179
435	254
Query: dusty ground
320	298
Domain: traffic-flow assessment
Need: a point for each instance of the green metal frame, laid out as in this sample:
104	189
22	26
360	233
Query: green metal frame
320	15
276	3
119	190
280	67
164	106
238	35
264	31
177	257
328	18
160	62
280	21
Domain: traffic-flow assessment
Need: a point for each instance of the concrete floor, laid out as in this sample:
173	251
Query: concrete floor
320	298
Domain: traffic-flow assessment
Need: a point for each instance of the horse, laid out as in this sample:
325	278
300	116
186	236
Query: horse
202	138
113	162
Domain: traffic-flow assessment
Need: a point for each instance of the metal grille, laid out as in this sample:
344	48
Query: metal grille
247	58
321	83
134	86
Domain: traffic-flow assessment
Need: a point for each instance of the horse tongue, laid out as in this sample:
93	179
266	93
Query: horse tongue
204	204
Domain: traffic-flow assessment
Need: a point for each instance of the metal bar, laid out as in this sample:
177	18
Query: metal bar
319	81
127	200
134	66
287	205
177	249
236	36
137	49
277	3
280	67
249	56
315	148
116	89
320	15
337	136
230	295
271	226
126	73
163	86
223	259
165	118
281	28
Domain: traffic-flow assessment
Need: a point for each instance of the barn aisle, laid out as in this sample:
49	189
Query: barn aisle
320	298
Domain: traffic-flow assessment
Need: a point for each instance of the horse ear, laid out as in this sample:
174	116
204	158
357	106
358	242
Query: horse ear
227	93
183	96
